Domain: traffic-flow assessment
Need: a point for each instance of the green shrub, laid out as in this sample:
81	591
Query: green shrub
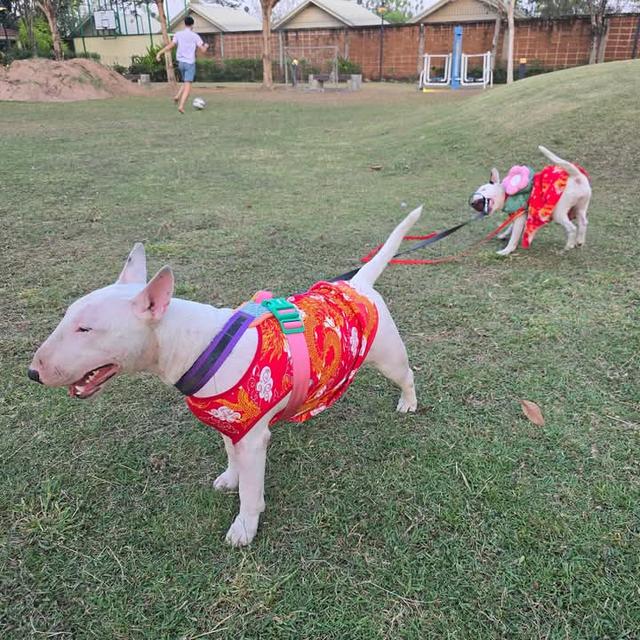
148	64
534	68
89	55
207	69
242	70
41	35
347	67
13	53
229	70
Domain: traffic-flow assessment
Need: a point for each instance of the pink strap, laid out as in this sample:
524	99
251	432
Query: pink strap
262	295
301	374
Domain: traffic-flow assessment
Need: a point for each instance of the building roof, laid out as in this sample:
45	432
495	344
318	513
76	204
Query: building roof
432	6
348	12
226	19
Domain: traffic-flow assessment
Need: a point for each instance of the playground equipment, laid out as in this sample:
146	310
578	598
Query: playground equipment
426	77
486	79
455	68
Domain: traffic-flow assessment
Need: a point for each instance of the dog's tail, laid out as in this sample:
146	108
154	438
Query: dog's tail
372	270
571	169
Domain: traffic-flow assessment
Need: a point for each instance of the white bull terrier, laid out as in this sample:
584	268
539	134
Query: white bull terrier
572	203
134	326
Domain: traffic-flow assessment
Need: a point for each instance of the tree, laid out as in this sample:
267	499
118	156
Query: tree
35	36
511	9
505	8
50	10
168	61
397	11
58	14
598	12
267	11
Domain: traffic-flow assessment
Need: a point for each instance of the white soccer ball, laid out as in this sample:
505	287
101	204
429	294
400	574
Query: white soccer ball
199	103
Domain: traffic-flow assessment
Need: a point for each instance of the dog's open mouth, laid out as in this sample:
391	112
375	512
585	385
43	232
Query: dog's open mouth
93	381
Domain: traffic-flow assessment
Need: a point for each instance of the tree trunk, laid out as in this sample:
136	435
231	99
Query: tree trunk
168	62
598	30
267	75
49	13
494	42
421	49
511	7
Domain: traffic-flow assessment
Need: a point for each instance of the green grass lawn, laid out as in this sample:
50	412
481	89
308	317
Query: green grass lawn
463	520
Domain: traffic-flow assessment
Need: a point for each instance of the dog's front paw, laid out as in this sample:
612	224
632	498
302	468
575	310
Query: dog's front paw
242	531
503	252
406	405
227	481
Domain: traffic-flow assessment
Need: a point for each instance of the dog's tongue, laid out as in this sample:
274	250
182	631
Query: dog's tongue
89	383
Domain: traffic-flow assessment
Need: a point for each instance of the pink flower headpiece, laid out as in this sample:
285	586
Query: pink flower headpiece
517	179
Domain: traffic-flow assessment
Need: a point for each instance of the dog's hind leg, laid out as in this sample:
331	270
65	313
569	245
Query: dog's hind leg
581	219
561	216
228	480
389	355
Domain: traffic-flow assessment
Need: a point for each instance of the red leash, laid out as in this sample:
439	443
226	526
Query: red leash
452	258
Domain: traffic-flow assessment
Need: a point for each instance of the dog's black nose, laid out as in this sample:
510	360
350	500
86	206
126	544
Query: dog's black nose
34	375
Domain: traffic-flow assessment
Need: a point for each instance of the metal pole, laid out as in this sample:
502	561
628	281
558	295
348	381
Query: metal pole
124	18
456	57
381	45
382	9
149	20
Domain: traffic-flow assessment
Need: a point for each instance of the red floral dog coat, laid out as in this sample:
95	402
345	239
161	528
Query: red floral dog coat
340	325
548	187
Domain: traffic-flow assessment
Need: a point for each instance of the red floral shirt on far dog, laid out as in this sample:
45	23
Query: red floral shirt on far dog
339	326
546	188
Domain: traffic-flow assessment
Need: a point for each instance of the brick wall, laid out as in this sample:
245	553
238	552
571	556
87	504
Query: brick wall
620	37
555	44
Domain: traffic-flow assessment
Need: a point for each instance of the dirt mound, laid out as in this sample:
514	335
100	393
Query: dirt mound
41	80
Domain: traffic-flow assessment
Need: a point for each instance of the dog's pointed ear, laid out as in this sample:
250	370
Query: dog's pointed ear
153	301
494	178
135	267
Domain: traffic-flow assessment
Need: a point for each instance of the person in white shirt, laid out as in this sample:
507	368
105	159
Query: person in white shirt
187	42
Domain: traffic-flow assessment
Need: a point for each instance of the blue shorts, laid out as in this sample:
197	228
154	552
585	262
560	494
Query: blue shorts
187	71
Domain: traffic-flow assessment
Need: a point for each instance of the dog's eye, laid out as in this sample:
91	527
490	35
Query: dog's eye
83	329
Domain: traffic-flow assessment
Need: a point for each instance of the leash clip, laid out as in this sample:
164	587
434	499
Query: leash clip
286	313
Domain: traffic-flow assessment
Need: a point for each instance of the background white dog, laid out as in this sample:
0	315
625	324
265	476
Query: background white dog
574	201
134	326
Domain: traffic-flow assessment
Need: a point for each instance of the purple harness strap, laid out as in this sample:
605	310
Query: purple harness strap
212	358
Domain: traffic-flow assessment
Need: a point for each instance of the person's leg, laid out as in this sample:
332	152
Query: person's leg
186	90
188	77
181	69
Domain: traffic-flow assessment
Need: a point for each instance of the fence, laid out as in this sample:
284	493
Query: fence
551	44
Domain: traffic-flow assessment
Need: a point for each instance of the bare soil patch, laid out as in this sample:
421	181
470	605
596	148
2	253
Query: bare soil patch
42	80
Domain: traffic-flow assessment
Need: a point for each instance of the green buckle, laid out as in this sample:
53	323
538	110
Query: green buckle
286	314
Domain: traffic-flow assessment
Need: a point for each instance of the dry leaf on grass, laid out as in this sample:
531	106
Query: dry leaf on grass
532	411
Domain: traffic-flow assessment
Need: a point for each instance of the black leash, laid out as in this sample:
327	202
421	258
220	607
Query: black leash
432	240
